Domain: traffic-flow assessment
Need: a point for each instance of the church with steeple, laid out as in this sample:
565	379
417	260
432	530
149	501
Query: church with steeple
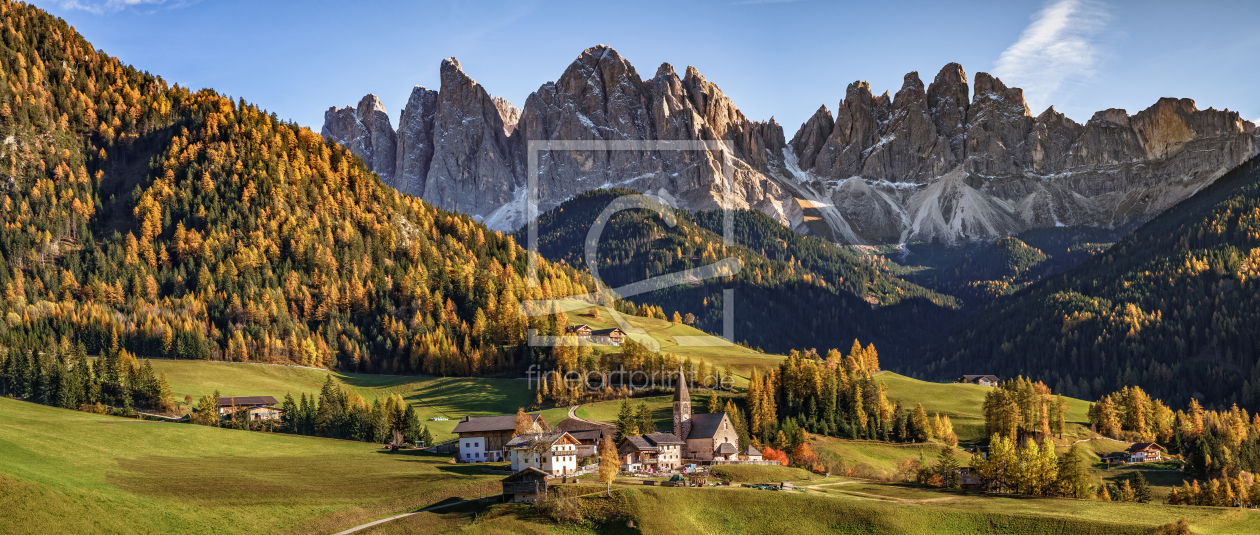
707	436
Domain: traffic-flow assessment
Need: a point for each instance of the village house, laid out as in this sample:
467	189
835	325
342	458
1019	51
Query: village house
588	434
257	407
588	441
982	380
659	451
613	336
528	485
483	438
704	434
582	331
554	453
1144	452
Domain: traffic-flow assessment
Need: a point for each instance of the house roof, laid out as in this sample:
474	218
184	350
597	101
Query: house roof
639	443
705	425
1144	446
974	377
750	451
606	332
479	424
577	327
726	448
246	400
529	471
680	389
588	434
547	439
664	438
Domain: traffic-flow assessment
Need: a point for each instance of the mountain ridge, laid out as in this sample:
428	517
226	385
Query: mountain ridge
933	164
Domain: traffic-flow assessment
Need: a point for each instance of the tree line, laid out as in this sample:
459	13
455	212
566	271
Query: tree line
334	413
63	376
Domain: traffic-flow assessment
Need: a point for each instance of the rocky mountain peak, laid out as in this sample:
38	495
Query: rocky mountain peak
991	87
812	136
470	170
1110	117
948	101
365	130
664	71
415	141
951	162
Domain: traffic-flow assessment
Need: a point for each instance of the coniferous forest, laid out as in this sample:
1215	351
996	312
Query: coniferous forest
1171	307
791	291
185	224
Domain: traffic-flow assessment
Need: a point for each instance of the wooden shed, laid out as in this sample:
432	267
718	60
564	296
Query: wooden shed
528	485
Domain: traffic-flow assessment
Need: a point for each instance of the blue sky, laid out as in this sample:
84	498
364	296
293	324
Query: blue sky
772	57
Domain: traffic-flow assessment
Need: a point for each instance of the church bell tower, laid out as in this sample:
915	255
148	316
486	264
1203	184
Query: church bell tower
682	407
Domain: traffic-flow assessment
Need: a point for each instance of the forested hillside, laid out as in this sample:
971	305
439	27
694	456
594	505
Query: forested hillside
793	291
143	216
1172	307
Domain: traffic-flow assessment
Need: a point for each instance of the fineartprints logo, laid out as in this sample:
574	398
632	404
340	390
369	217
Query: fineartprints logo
604	296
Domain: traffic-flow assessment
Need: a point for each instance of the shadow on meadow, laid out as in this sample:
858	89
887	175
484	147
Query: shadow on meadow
238	481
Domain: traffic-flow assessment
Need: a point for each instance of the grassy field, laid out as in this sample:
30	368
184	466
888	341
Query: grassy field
75	472
964	404
882	457
665	335
763	474
838	508
443	397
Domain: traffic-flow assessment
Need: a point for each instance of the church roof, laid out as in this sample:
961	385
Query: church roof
680	390
726	448
705	425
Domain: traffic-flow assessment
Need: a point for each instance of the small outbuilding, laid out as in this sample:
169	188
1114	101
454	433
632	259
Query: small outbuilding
250	404
750	454
982	380
528	485
726	451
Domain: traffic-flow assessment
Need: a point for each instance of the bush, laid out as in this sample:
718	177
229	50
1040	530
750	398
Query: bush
561	510
1180	527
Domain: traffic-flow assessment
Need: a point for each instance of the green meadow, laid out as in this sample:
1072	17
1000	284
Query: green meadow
845	508
433	397
75	472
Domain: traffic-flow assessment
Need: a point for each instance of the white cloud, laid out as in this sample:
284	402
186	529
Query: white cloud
98	7
1055	51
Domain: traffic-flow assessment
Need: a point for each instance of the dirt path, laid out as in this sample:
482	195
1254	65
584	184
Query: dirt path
404	515
573	415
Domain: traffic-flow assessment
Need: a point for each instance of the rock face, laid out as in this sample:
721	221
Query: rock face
415	141
470	171
923	165
366	131
509	113
941	168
